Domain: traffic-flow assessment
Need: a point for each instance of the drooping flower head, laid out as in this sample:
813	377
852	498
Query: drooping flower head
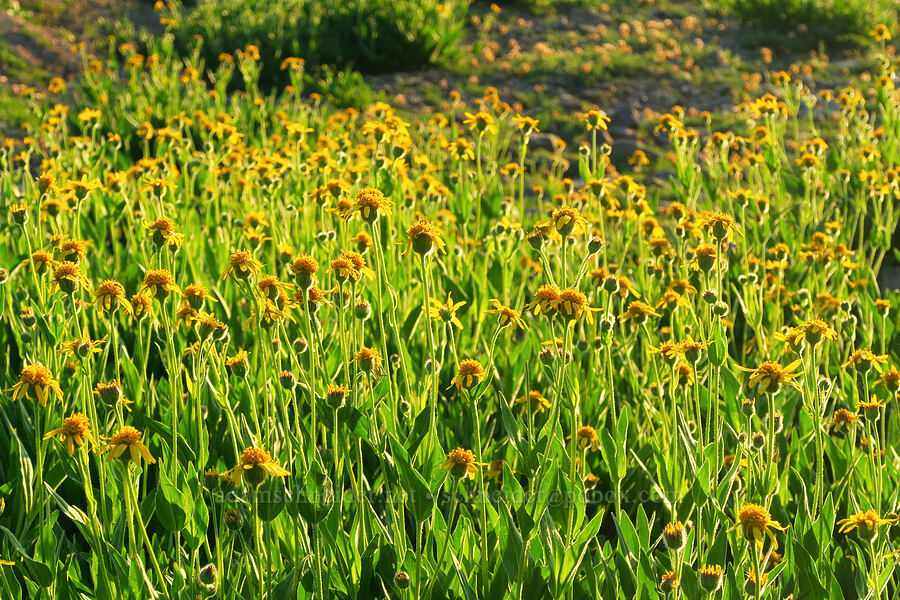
36	379
255	466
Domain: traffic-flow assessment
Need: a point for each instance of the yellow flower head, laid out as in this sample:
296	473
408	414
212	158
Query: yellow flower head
638	312
424	238
446	312
469	374
370	204
74	432
158	283
242	264
867	523
757	524
38	380
111	295
255	465
506	315
586	437
126	445
769	376
461	463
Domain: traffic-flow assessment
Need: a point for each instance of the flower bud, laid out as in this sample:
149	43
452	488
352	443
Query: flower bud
402	580
710	296
287	380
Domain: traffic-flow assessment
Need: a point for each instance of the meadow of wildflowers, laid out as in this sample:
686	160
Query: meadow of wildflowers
259	347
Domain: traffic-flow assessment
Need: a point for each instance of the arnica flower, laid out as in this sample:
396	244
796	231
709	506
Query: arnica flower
304	269
446	312
74	432
757	524
111	295
158	283
38	380
344	270
863	360
126	445
359	263
255	466
568	221
368	360
461	463
871	408
843	420
110	393
238	365
891	380
271	287
208	325
480	122
674	536
719	224
866	523
711	577
705	257
768	377
690	349
141	305
336	395
195	295
370	204
506	315
424	238
469	374
573	303
312	298
816	330
683	374
83	346
71	250
242	264
794	337
668	582
595	119
67	278
638	312
586	437
545	300
163	233
42	261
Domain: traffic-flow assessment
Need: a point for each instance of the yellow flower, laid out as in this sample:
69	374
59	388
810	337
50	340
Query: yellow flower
255	465
545	300
67	277
469	374
719	224
757	521
370	204
481	122
111	294
568	221
158	283
461	463
81	346
424	238
368	360
572	303
506	315
128	439
769	376
38	379
446	313
595	119
638	312
881	33
536	400
164	234
843	420
862	360
243	264
586	437
815	330
75	430
867	522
